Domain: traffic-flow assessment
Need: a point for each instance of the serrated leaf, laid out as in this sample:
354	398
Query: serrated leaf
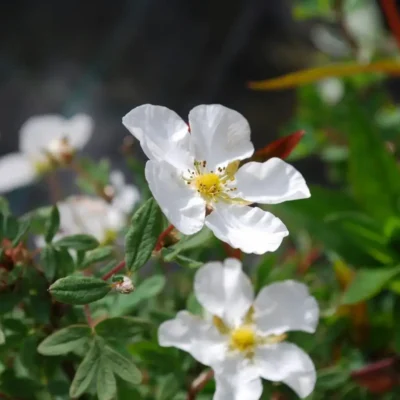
64	340
368	283
142	235
48	261
106	384
149	288
122	366
52	224
77	242
86	371
96	255
77	289
121	328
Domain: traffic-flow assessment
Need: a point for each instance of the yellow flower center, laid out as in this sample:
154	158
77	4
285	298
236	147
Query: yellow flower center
208	184
243	339
110	236
43	167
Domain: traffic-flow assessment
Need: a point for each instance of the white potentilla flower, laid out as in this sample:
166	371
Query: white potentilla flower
191	171
44	141
125	196
243	339
92	216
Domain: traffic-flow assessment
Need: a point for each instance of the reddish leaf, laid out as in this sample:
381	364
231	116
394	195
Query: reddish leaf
379	377
279	148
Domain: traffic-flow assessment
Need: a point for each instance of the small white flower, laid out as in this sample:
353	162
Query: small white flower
191	171
243	338
125	196
91	216
125	286
44	141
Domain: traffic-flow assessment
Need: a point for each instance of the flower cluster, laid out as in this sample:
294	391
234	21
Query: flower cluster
197	174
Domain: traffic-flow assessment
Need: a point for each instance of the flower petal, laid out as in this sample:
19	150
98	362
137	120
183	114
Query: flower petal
286	306
180	204
226	390
38	131
195	336
224	290
126	196
163	135
15	171
220	135
250	229
285	362
271	182
78	130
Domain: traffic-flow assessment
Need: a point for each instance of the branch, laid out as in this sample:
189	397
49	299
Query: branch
199	383
119	267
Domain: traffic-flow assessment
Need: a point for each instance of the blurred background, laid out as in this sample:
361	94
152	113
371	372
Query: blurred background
105	59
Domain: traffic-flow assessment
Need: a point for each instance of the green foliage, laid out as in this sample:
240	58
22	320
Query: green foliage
77	289
52	225
146	226
78	242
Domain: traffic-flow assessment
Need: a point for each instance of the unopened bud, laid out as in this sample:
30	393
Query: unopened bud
124	286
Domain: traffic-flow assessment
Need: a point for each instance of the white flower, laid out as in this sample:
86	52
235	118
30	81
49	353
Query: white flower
43	141
124	196
91	216
188	172
243	338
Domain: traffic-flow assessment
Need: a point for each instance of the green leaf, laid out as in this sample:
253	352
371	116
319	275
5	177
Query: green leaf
180	259
96	255
314	214
122	366
2	337
64	340
148	289
86	371
52	224
48	260
373	171
121	328
106	383
77	289
367	283
142	235
78	242
196	241
23	227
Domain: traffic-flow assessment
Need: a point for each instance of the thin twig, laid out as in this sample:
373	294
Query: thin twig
160	242
88	315
198	384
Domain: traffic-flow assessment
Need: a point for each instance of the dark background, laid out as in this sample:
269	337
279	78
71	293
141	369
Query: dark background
106	57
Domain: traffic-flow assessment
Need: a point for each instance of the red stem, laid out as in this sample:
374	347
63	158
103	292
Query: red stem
88	315
163	235
115	270
393	18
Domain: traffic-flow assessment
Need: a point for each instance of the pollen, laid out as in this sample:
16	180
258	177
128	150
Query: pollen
243	339
209	184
